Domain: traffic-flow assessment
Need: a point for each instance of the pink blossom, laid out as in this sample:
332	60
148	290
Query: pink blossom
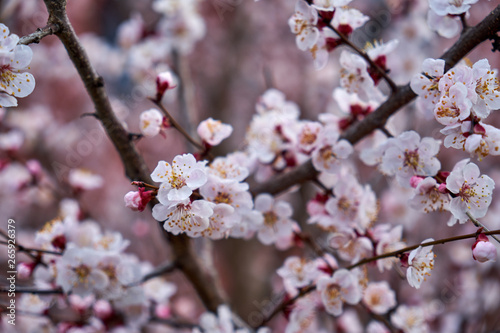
213	132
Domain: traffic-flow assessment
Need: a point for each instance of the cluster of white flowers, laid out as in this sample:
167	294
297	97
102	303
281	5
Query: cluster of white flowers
461	99
444	15
14	60
101	279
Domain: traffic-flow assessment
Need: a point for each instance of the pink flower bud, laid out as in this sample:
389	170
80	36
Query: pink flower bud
25	269
102	309
442	188
137	200
162	311
132	200
164	81
415	180
483	250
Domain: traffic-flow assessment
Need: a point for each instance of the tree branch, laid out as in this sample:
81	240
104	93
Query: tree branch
135	168
40	33
485	30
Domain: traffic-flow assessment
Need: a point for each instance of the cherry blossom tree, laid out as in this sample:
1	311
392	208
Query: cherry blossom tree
259	166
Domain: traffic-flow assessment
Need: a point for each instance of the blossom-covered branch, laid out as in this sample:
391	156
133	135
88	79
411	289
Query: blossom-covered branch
135	168
474	36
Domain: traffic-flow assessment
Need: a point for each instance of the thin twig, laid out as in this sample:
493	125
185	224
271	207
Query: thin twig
160	270
32	291
40	33
413	247
287	302
365	56
28	249
480	225
177	126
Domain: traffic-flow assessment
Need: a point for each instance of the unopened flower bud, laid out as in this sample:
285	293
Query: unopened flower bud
415	180
164	81
483	250
102	309
25	269
137	200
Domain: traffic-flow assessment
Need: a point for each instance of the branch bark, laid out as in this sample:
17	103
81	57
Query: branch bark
135	168
472	37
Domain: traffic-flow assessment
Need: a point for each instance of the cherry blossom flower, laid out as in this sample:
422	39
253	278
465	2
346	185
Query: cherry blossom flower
78	272
356	79
347	20
83	179
150	122
473	193
487	88
429	196
426	84
407	156
228	169
14	59
329	5
179	179
420	263
379	297
454	106
278	225
410	319
330	151
483	250
298	272
388	240
349	246
184	216
480	141
303	24
453	7
447	26
213	132
343	286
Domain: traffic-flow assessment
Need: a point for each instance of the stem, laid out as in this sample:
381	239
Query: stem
480	225
162	269
27	249
365	56
413	247
474	36
32	291
177	126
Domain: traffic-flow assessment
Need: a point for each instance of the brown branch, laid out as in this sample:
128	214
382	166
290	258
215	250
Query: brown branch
160	270
485	30
413	247
176	125
135	168
28	249
306	290
32	291
40	33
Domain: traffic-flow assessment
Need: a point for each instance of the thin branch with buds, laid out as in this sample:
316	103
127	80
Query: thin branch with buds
480	225
306	290
177	126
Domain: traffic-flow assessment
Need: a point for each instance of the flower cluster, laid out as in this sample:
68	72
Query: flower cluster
14	60
461	99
